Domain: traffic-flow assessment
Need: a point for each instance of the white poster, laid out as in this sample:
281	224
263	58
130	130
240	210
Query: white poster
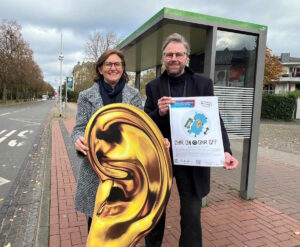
196	132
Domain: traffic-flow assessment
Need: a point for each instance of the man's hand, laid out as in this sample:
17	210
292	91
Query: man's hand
167	143
230	162
163	105
81	145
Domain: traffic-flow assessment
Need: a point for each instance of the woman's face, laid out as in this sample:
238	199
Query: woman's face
112	69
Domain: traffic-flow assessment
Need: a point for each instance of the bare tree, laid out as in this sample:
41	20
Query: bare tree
99	42
10	42
20	76
146	77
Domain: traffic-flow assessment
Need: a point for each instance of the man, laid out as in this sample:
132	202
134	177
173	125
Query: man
193	183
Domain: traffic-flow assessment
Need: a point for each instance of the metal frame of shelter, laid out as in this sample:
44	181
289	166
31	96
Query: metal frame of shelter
217	44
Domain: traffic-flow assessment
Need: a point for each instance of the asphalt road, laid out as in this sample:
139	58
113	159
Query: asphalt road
20	128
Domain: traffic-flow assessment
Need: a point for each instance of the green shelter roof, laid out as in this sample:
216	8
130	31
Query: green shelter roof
175	13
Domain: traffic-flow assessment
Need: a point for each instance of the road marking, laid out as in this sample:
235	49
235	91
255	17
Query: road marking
2	132
24	121
19	110
14	143
5	114
7	135
22	133
3	181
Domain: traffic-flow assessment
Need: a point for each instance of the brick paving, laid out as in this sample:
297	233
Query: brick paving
277	181
67	227
272	218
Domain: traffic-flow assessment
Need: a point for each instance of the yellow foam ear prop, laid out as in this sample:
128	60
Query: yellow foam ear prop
126	150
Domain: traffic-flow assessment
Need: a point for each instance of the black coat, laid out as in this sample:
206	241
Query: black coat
196	86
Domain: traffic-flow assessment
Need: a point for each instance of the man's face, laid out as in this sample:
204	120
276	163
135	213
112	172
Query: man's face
175	58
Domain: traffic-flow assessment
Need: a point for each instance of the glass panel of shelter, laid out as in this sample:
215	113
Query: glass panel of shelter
234	81
235	59
234	84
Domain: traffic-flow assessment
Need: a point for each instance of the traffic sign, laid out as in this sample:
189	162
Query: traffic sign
70	83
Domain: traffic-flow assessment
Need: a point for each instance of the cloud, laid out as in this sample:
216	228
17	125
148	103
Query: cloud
45	42
44	20
235	41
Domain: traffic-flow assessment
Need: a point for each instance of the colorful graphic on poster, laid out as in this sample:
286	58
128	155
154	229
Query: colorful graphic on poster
195	123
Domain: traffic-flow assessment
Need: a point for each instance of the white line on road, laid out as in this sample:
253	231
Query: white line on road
14	143
24	121
3	181
22	133
5	114
1	132
7	135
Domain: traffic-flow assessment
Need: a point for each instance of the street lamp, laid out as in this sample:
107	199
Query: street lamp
61	58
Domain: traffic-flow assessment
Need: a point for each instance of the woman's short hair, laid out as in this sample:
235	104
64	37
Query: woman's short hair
105	56
177	38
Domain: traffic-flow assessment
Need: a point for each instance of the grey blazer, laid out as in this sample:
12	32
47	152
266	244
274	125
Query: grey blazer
89	102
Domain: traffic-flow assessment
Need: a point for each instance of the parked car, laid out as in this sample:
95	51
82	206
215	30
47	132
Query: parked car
45	97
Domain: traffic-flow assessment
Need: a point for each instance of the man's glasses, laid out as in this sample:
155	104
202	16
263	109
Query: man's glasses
117	65
178	55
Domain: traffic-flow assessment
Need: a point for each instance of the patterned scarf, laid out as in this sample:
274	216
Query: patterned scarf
109	94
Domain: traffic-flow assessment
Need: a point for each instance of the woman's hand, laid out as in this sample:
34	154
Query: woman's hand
230	162
81	145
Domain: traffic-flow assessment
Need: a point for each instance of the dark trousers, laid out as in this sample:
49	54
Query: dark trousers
190	212
89	223
155	237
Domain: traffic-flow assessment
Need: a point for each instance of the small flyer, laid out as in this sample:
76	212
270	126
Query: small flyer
196	132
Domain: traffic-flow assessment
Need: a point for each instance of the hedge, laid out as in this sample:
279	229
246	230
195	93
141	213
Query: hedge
72	96
277	107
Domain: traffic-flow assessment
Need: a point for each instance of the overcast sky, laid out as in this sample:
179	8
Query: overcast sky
43	20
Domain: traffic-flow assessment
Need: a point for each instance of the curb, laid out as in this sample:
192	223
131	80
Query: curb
42	238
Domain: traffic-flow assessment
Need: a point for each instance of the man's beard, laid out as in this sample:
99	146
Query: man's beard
175	74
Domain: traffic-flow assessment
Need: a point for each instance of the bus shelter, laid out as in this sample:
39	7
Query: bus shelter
231	53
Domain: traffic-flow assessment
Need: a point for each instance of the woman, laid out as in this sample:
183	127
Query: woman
110	87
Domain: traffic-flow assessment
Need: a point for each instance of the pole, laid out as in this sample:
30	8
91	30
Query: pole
61	58
57	99
66	99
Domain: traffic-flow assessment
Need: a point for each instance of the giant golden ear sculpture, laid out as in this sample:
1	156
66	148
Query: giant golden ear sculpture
126	150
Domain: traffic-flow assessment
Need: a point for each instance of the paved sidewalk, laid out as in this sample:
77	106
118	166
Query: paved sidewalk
271	219
67	227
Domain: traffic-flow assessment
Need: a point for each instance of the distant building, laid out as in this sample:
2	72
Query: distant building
289	79
83	75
